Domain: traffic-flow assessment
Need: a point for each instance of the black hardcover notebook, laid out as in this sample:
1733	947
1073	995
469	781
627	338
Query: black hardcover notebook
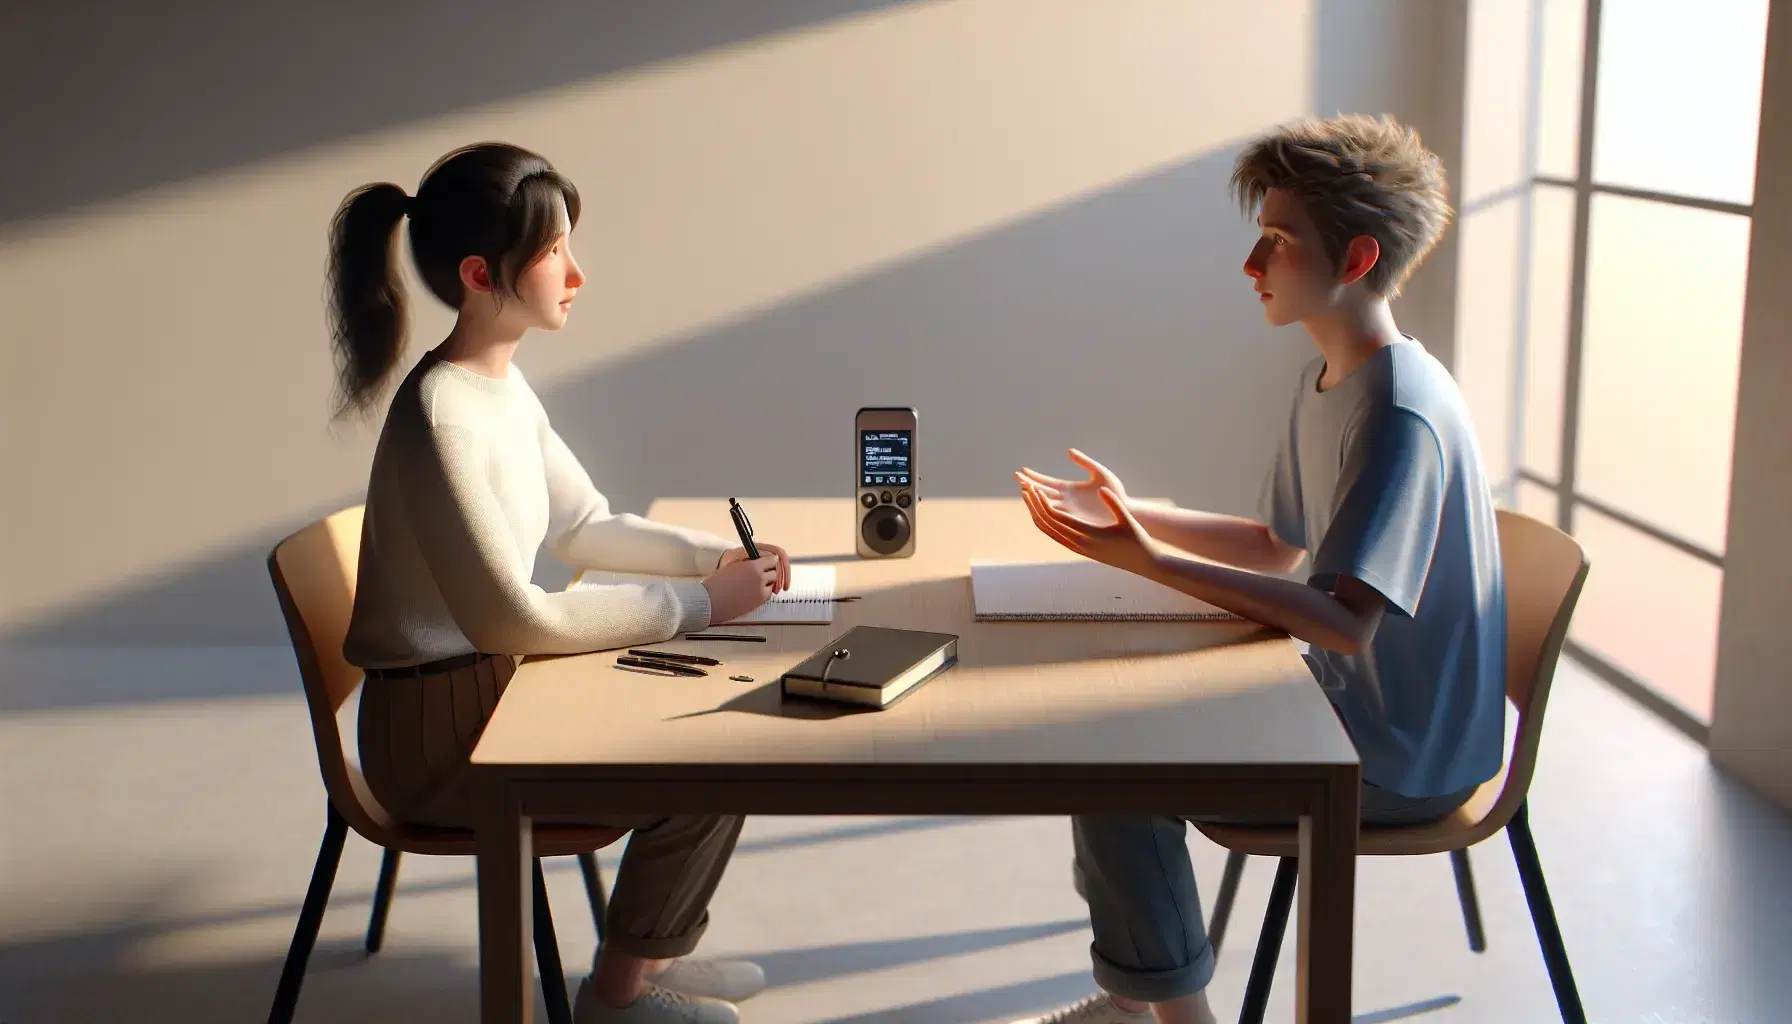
882	664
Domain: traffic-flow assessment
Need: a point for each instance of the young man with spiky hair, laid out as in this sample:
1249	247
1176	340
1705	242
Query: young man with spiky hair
1379	476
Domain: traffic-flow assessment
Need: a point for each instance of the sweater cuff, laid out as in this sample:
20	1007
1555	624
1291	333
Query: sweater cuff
693	605
709	553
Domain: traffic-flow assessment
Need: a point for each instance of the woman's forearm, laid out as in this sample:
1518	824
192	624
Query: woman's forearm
1234	540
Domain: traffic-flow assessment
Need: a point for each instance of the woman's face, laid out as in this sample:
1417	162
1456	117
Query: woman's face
548	285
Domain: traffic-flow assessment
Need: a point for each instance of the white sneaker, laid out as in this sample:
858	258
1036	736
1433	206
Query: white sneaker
733	980
656	1006
1097	1009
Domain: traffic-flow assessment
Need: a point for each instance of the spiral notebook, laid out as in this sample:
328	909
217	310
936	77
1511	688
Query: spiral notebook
1085	590
809	601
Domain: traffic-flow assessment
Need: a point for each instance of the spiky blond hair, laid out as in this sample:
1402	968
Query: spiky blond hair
1355	175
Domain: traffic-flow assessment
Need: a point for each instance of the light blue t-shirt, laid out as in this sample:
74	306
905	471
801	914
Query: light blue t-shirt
1379	477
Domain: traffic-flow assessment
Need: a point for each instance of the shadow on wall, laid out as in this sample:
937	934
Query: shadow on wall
1178	403
187	87
1018	311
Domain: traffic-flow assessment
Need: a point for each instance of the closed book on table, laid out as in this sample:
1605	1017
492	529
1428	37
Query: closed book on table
880	666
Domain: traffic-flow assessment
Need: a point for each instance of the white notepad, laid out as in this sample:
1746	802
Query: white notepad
809	601
1085	590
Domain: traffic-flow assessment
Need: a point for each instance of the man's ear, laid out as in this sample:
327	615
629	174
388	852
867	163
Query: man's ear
1360	256
475	275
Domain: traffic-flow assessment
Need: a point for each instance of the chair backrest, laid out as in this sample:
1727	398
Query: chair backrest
314	574
1544	571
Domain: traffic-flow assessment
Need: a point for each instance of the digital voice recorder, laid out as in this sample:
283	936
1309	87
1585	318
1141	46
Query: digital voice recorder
888	483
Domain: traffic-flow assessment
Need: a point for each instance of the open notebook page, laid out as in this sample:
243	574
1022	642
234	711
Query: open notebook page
1085	590
810	599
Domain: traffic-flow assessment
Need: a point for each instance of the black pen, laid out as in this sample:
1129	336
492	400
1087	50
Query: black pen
646	668
663	666
661	669
694	659
744	527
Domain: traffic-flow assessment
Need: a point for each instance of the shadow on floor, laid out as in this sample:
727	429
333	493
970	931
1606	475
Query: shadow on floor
1023	997
800	966
102	975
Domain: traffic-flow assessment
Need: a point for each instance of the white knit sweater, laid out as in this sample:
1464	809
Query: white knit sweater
468	481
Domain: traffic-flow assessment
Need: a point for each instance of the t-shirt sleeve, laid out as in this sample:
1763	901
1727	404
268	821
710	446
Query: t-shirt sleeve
1279	506
1387	510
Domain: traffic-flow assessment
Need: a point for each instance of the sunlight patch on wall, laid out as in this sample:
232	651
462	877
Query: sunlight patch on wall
176	343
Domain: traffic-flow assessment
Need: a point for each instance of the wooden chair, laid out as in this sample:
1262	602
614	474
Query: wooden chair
314	575
1544	570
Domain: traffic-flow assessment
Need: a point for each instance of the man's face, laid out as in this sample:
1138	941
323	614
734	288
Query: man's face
1295	279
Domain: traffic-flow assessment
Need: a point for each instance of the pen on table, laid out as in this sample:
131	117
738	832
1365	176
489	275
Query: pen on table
664	671
744	527
694	659
663	666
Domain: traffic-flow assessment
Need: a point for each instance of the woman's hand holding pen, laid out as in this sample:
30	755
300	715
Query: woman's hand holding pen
733	555
741	585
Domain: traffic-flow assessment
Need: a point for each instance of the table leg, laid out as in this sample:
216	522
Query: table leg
1328	903
505	844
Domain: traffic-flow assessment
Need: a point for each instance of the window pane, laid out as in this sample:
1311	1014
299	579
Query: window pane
1493	127
1649	609
1680	96
1537	501
1487	306
1546	328
1659	363
1558	84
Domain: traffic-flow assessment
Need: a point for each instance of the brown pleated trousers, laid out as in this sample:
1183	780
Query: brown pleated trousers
416	735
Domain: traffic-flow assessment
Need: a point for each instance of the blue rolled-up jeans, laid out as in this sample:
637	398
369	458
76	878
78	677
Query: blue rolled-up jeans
1151	940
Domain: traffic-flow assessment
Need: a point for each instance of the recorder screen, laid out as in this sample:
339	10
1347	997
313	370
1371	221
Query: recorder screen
884	457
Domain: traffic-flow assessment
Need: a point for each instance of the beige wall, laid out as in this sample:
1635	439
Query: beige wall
1751	727
1408	58
1011	213
1490	217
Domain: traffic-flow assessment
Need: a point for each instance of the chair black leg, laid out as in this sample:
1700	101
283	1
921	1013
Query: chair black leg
1471	906
382	901
1269	943
1222	904
311	916
594	891
1543	916
547	956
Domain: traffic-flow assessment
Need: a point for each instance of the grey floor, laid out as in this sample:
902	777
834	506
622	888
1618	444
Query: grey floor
162	809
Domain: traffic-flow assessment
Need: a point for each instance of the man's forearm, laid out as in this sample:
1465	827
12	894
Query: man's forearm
1302	611
1234	540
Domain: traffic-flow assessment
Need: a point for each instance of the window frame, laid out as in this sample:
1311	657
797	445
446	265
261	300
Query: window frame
1584	187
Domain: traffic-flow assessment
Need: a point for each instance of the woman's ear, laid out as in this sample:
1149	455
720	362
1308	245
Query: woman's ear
1360	256
475	276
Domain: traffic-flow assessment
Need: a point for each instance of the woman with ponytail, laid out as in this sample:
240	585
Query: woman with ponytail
469	481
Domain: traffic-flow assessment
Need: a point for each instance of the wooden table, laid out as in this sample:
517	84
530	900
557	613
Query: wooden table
1037	718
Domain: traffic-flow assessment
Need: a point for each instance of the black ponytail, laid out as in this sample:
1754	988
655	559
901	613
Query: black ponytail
366	303
492	200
